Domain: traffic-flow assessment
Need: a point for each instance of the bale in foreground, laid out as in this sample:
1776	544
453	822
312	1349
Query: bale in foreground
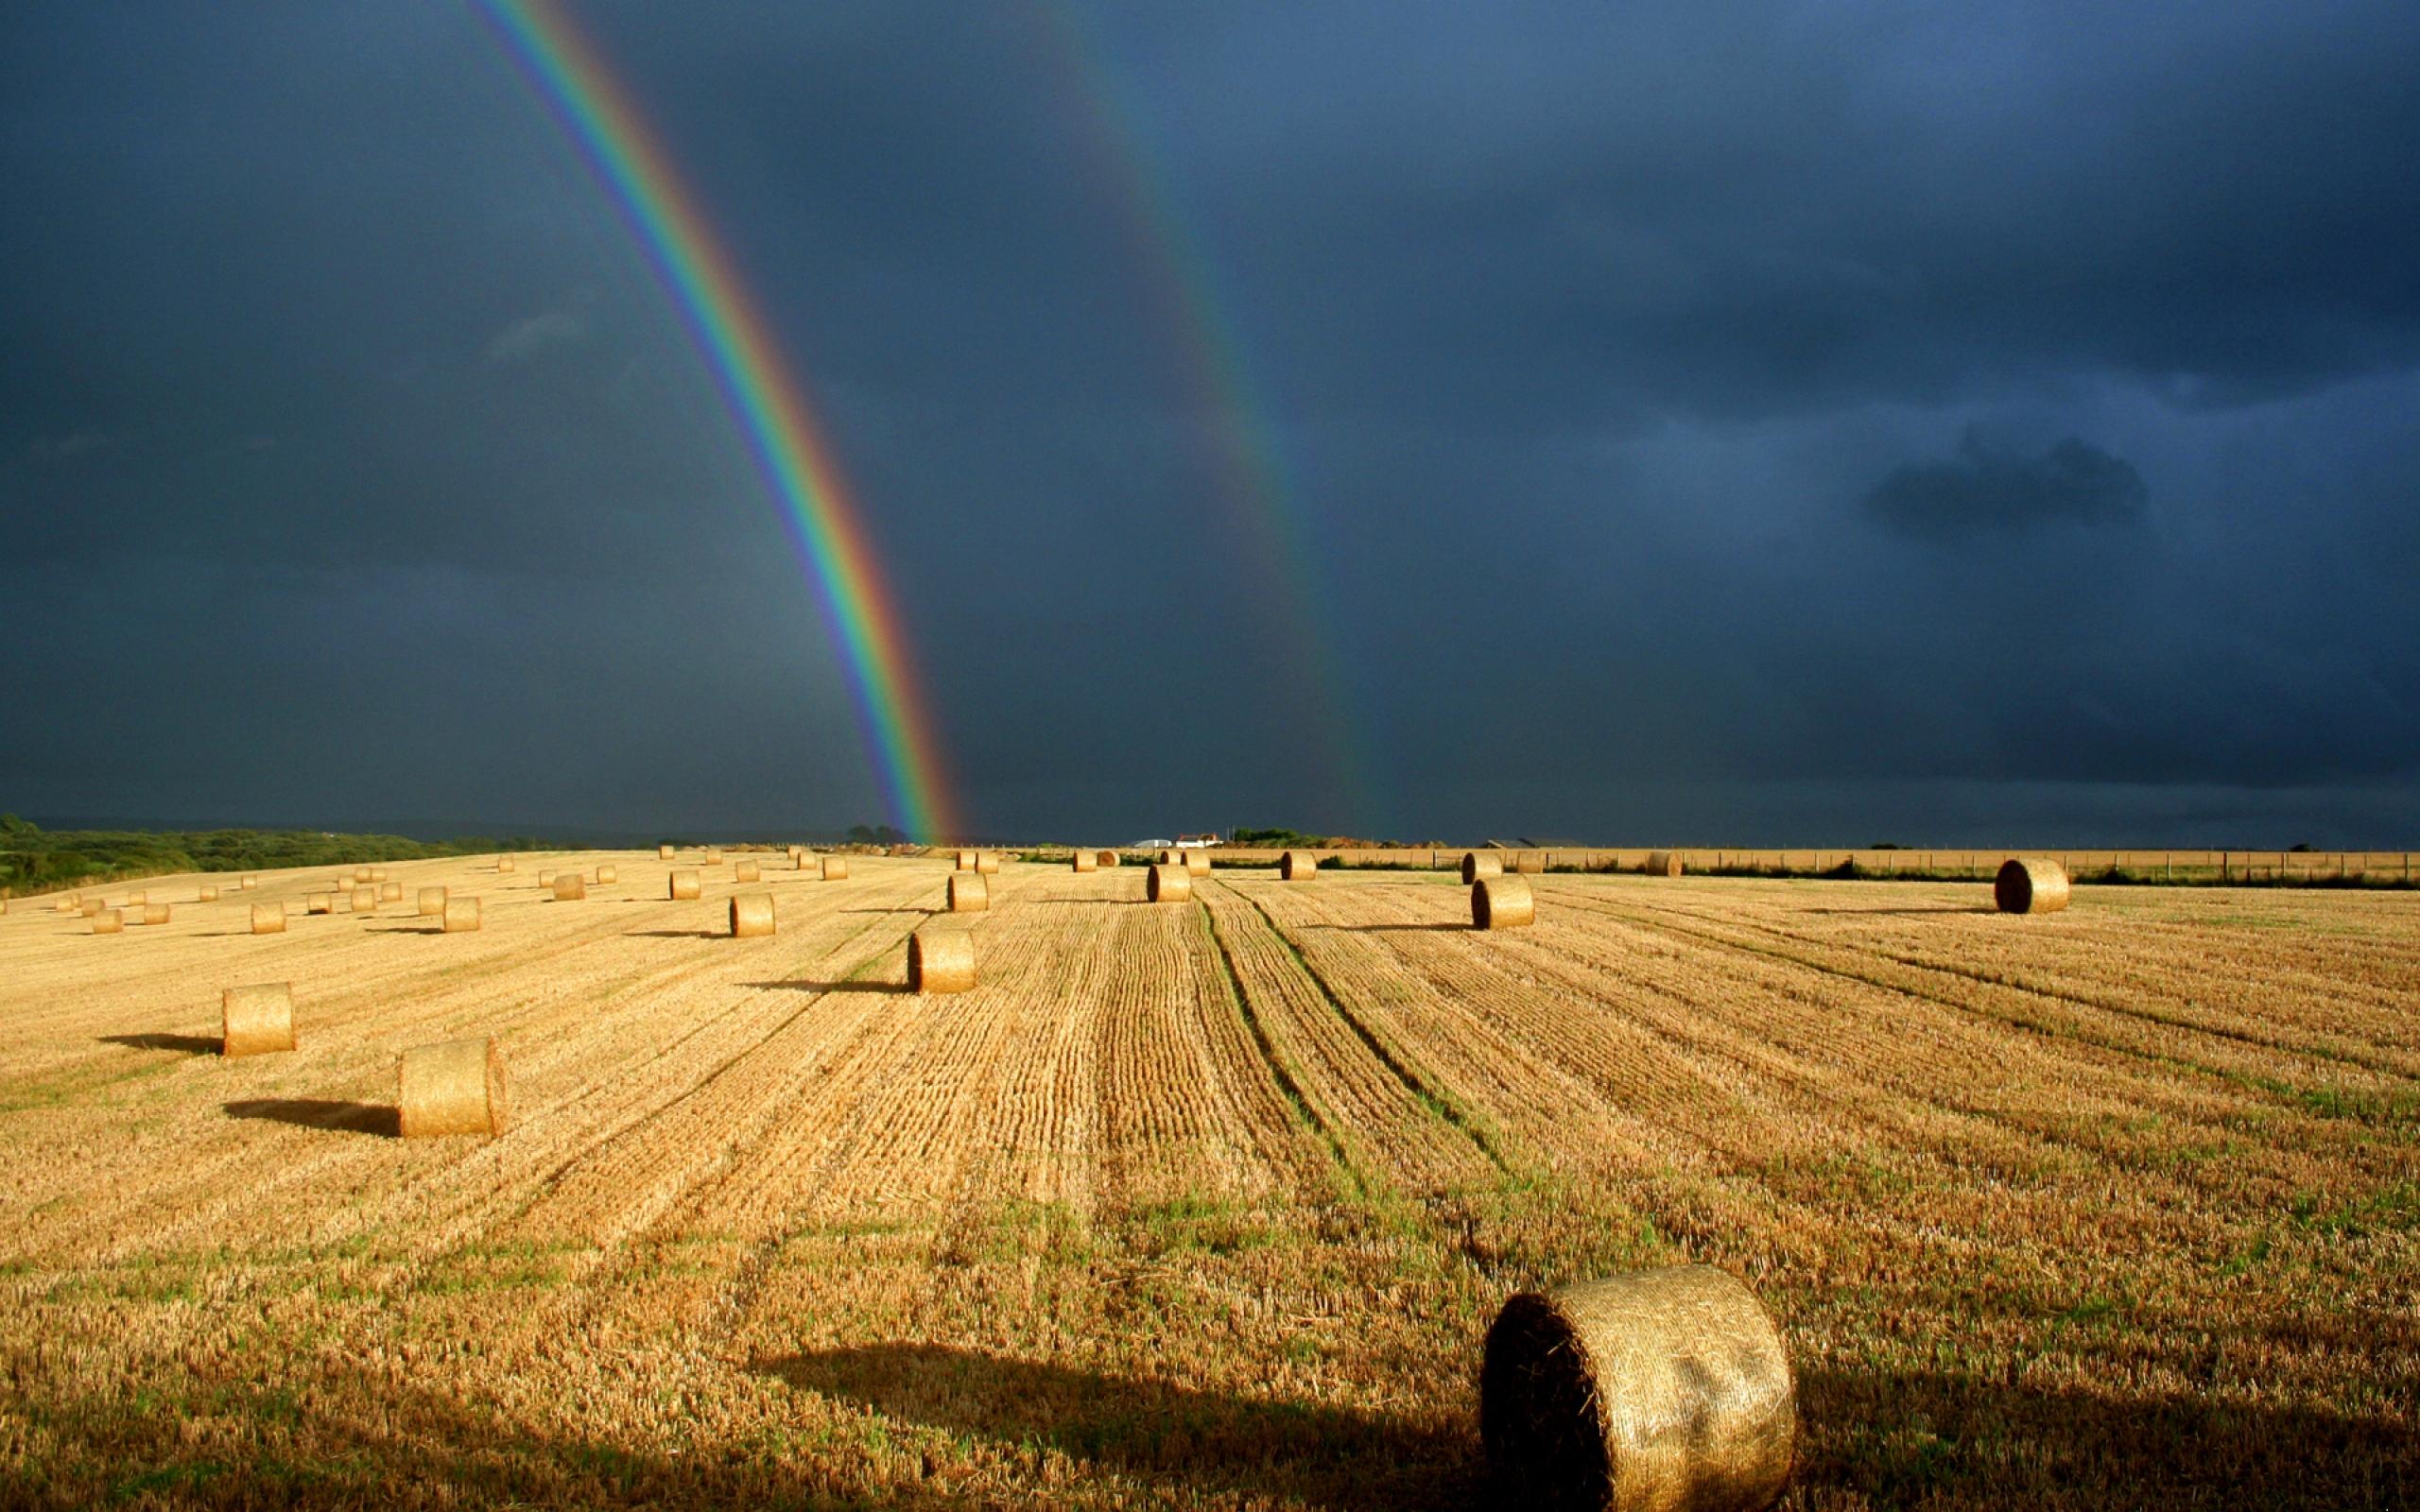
1477	864
969	893
1298	866
258	1020
751	914
1665	1388
1169	883
432	902
455	1088
1502	902
941	960
268	918
2030	884
835	869
683	884
461	915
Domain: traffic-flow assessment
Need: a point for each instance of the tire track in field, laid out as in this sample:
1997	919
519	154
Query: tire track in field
1282	1073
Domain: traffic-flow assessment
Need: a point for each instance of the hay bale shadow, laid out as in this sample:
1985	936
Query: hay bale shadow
1459	926
676	933
1228	1445
186	1044
380	1119
893	988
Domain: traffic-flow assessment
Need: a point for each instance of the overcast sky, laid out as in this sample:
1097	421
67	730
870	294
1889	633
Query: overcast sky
1704	423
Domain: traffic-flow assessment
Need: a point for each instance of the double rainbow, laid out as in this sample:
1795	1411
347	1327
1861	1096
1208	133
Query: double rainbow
602	121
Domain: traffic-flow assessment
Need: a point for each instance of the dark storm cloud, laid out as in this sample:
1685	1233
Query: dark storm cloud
1984	489
1609	370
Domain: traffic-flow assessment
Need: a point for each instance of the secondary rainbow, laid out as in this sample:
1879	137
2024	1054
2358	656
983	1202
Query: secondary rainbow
603	120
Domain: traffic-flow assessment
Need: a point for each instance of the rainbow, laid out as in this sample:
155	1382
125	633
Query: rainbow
1253	474
603	120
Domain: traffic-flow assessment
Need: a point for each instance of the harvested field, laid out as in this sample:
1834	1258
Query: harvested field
1206	1204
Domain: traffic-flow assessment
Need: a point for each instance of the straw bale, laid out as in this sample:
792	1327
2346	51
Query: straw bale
1529	863
1083	861
320	902
361	874
461	915
155	913
941	960
966	861
432	902
546	879
257	1019
1196	861
1477	864
365	899
987	861
207	895
137	898
1108	858
340	903
377	873
249	883
608	875
91	906
751	914
569	887
1502	902
109	922
268	918
2030	884
714	857
1298	866
683	884
663	852
503	862
454	1087
1169	883
835	869
968	892
1662	863
1170	857
745	871
1661	1389
391	892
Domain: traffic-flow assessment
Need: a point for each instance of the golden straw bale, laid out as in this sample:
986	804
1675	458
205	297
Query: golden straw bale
257	1019
835	869
432	902
941	960
461	915
1084	861
569	887
546	879
377	873
1107	858
987	861
744	872
1196	861
1662	1389
249	883
207	895
91	908
966	861
1662	863
365	899
361	874
268	918
1502	902
1298	866
606	876
455	1088
340	903
1169	883
2030	884
391	892
797	854
683	884
1477	864
503	862
320	902
968	892
1170	857
714	857
1529	863
155	913
804	860
663	852
137	898
67	902
109	922
751	914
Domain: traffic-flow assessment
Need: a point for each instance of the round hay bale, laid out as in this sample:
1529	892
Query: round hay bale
745	871
155	913
1108	858
207	895
268	918
987	863
391	892
258	1020
1196	861
663	852
608	875
751	914
546	879
461	915
969	893
91	908
2030	884
1170	857
340	903
1529	863
67	904
377	873
1665	1388
365	899
361	874
966	861
455	1088
798	855
804	860
941	960
835	869
1477	864
249	883
137	898
109	922
1502	902
1083	861
714	857
1169	883
320	902
569	887
503	862
432	902
682	884
1662	864
1298	866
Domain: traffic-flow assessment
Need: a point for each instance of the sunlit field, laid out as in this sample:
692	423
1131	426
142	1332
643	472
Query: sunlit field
1205	1203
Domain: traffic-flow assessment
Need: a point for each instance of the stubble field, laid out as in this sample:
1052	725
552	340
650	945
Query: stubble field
1203	1203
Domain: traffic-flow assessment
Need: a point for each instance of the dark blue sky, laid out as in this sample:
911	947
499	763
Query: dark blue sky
1709	423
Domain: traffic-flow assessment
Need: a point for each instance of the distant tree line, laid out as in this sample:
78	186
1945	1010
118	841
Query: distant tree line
33	859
